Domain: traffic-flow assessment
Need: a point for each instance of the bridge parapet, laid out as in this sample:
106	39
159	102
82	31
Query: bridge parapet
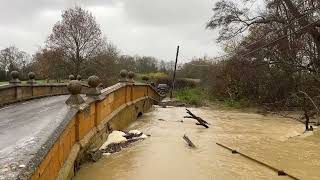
15	91
85	127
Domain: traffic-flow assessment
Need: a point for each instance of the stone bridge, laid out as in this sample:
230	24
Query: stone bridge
48	137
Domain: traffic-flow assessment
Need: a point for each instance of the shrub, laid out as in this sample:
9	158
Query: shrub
193	96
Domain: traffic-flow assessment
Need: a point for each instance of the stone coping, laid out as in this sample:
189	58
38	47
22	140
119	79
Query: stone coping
7	86
39	154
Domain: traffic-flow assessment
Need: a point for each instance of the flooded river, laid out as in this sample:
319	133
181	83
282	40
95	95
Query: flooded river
165	155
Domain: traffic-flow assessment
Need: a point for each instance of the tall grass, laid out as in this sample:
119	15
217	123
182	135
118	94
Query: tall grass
192	96
200	97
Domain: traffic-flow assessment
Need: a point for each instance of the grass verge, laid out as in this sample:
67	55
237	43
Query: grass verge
192	96
200	97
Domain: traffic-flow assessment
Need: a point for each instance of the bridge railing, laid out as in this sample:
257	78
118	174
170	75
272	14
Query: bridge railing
87	124
15	91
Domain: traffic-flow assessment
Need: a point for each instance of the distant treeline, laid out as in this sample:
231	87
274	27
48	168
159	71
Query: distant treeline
76	46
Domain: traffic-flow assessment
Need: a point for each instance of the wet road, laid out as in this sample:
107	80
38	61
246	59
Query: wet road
25	126
164	155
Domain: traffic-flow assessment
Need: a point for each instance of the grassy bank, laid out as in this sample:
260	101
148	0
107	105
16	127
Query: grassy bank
201	97
192	96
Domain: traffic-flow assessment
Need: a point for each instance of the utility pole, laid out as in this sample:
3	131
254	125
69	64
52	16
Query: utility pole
174	73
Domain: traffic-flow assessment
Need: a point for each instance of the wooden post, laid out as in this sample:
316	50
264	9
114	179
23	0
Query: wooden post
174	72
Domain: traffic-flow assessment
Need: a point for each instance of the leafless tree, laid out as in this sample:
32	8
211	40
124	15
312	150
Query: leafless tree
276	51
11	58
78	35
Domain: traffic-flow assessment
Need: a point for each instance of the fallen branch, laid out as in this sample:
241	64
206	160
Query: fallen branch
190	143
279	171
201	122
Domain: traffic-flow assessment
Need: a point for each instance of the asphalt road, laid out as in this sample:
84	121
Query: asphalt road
25	126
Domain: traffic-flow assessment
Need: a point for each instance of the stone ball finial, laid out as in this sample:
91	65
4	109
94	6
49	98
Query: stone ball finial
93	81
79	77
71	77
31	75
131	75
15	77
123	73
75	99
123	76
14	74
74	87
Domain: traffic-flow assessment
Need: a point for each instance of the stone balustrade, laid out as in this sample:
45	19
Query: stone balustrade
15	91
87	123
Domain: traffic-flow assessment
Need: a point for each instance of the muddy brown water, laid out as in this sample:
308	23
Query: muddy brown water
274	140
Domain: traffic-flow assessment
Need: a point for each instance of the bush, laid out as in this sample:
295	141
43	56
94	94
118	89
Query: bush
193	96
157	75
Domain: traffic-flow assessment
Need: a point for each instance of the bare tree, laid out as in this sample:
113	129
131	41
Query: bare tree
78	35
50	64
11	58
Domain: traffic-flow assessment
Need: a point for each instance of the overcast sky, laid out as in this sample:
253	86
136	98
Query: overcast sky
136	27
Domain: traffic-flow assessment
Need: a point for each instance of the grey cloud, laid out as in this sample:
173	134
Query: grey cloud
167	12
144	27
15	11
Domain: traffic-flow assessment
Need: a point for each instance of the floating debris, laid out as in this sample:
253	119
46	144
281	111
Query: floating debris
120	139
190	143
201	122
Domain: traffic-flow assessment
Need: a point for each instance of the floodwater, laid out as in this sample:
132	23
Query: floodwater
273	140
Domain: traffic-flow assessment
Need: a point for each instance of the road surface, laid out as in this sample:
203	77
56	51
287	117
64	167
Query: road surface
25	127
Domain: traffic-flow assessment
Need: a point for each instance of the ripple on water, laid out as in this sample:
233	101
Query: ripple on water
166	156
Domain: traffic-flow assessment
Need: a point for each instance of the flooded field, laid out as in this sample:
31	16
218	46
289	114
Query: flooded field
165	155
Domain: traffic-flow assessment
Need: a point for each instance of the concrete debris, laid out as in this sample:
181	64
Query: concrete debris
120	139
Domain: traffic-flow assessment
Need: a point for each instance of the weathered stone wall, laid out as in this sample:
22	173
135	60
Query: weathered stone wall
87	129
20	92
